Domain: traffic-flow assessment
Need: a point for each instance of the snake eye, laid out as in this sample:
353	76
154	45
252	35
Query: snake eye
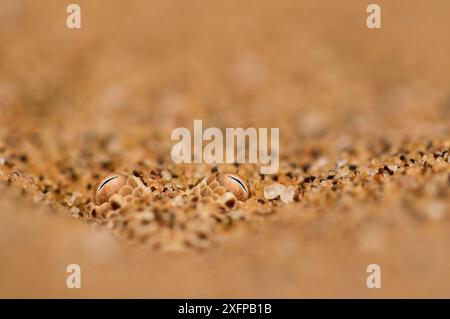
235	184
108	186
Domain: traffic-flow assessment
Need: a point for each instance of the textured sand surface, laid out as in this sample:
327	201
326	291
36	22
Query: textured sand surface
364	120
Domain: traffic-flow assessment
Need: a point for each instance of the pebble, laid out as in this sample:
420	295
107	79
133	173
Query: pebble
287	196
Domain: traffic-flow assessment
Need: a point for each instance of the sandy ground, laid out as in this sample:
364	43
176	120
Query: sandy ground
117	87
274	262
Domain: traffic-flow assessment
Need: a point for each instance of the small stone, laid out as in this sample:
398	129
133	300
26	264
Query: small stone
235	184
117	201
133	182
273	191
341	164
104	208
393	168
